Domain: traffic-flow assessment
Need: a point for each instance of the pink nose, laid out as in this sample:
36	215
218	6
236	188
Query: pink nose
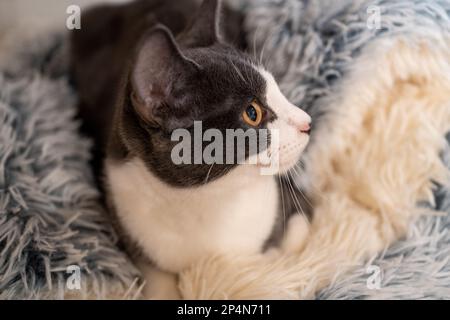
300	120
305	127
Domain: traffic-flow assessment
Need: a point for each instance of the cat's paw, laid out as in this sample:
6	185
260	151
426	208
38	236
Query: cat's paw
159	285
296	234
273	253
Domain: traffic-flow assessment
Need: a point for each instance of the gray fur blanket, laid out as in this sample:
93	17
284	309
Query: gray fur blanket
310	45
51	222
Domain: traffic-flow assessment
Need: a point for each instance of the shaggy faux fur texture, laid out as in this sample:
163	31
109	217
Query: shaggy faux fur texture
380	99
50	216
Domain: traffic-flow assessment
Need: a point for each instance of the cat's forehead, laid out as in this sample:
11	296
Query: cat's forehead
231	69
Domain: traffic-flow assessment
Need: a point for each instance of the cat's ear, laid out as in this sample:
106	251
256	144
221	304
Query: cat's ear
204	30
158	64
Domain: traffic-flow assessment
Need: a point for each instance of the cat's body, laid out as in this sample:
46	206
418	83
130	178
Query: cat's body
200	222
106	42
137	85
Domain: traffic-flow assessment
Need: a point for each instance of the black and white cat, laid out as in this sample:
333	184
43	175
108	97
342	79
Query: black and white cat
144	70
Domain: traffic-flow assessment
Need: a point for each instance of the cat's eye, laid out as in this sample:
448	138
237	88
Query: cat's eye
253	114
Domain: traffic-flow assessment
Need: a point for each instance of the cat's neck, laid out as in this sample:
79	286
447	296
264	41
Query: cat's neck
178	226
242	177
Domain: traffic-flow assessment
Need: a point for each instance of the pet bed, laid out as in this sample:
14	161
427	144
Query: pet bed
375	75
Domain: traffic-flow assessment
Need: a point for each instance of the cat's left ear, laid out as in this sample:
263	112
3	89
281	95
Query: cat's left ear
204	30
157	66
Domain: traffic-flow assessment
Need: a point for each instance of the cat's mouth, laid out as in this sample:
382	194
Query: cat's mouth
281	165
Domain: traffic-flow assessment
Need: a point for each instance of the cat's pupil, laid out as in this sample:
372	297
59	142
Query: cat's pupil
251	113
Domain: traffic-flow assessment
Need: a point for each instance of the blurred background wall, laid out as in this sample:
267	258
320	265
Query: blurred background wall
36	15
27	18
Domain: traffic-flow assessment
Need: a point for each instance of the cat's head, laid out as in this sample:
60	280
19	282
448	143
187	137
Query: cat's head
177	85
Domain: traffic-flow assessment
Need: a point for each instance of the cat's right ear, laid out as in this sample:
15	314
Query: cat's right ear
204	30
158	63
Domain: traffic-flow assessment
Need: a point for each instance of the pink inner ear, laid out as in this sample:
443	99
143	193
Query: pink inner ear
157	60
156	57
144	108
156	94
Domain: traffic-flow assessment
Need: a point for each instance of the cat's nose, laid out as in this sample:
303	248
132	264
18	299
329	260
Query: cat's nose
301	121
305	127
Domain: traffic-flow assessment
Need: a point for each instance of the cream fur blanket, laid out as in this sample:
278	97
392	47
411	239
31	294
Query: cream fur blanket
380	89
375	75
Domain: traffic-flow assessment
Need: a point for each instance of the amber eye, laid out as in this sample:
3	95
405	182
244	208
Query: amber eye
253	114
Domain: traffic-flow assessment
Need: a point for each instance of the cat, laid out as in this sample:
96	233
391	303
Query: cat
144	70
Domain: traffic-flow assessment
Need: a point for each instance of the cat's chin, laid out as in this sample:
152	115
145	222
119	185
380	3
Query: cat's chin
283	164
285	167
280	168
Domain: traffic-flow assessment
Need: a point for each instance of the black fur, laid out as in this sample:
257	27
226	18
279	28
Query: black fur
195	73
193	70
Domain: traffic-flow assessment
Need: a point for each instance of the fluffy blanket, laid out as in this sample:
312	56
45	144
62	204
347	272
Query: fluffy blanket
375	75
51	221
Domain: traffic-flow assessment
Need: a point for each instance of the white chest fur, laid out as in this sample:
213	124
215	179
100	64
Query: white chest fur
176	227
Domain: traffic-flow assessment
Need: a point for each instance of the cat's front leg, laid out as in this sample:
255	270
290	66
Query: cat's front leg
296	233
159	285
294	238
